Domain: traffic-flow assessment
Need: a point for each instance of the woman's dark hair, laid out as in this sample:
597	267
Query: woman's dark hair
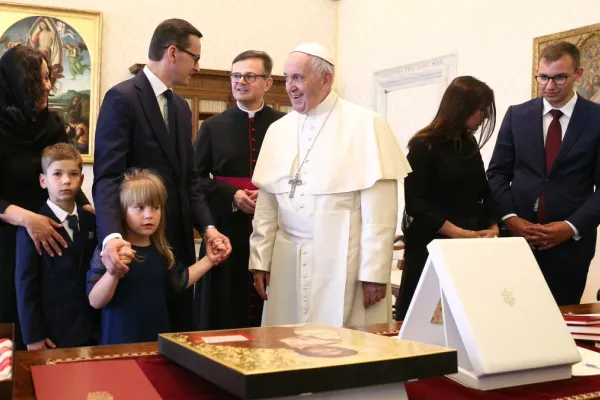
23	78
464	96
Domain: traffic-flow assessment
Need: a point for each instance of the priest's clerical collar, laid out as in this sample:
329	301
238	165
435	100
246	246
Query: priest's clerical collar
325	105
251	113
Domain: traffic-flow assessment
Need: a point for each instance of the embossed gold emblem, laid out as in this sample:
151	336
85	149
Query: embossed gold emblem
100	396
508	297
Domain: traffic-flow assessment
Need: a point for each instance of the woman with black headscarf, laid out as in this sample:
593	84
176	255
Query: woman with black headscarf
26	128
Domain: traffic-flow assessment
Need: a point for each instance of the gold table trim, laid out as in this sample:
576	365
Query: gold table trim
54	361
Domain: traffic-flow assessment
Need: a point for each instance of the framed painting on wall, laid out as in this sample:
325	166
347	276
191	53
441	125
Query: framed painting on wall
587	38
71	41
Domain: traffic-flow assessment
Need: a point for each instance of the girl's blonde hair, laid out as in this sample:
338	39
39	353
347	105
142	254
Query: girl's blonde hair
141	186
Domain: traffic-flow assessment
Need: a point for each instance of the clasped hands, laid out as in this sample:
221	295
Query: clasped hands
118	254
245	200
491	232
540	236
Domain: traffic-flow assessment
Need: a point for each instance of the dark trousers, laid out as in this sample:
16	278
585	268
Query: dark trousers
179	305
565	268
225	298
415	257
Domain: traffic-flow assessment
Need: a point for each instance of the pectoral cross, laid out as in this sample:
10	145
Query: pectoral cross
295	181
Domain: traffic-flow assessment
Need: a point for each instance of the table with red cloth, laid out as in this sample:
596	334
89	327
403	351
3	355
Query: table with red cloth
174	382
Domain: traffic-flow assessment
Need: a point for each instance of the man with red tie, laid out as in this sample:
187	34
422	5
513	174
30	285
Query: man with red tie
544	170
227	147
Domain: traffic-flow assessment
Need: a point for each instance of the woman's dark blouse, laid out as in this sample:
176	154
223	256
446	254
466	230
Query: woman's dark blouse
20	182
138	310
448	182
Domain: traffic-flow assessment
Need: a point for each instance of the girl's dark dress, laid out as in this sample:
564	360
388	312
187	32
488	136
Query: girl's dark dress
138	310
448	182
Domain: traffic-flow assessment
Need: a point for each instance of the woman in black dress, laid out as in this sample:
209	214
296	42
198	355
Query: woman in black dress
447	194
26	128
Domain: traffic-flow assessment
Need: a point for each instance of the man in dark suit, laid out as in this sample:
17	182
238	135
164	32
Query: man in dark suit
143	124
544	169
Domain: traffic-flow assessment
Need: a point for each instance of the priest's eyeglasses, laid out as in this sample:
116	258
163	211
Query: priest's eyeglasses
559	79
249	77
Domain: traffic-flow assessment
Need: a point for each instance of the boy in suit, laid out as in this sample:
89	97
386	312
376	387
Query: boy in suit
52	303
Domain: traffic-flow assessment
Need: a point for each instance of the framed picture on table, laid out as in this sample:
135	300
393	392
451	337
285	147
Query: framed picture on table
71	42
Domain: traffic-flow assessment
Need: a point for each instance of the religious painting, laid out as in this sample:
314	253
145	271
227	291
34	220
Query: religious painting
70	40
587	38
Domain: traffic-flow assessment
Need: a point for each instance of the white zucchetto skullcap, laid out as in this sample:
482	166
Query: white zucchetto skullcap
315	49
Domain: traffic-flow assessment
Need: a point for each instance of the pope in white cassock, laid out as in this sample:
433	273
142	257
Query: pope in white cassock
325	217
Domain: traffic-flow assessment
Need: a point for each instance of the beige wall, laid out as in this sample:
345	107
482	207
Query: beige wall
229	27
492	39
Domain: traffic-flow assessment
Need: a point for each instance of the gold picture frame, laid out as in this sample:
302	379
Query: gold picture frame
587	38
71	40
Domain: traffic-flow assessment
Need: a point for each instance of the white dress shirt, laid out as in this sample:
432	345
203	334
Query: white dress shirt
159	89
564	120
62	216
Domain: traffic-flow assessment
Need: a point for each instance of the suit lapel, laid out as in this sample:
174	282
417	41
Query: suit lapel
154	116
182	144
81	239
62	231
539	148
576	124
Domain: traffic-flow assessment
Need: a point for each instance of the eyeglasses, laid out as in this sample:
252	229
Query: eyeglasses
249	77
195	57
559	79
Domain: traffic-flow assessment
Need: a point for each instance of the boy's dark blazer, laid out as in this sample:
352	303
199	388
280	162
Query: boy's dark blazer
51	296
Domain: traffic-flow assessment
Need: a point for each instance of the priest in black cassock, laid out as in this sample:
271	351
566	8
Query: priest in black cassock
227	147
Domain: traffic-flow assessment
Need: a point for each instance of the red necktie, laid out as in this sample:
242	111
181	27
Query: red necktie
553	141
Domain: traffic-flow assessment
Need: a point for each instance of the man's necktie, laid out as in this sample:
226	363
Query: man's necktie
72	223
553	142
171	117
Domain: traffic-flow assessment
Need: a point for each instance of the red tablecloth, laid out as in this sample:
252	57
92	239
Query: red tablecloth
444	388
173	382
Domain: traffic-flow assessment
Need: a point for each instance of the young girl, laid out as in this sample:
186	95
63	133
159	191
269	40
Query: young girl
134	307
